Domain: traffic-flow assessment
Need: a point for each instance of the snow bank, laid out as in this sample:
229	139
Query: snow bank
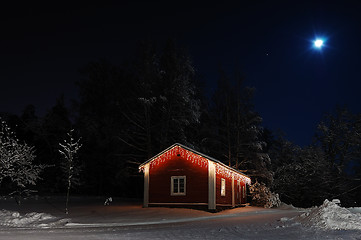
331	216
284	206
15	219
355	209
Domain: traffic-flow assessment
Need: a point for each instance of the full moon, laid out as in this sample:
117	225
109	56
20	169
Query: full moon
318	43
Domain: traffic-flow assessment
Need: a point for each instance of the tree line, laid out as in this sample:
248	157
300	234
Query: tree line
127	113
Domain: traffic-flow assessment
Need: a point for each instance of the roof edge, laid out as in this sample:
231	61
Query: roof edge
196	152
155	156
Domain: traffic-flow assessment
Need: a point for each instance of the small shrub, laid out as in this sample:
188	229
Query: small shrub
263	197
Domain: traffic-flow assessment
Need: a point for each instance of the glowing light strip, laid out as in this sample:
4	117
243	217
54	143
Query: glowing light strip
195	159
223	171
174	151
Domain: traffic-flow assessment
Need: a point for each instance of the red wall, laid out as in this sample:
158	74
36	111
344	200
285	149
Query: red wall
239	196
227	199
243	194
160	181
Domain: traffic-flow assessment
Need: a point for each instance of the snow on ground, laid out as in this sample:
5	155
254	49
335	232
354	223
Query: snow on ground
33	219
90	212
355	209
88	218
331	216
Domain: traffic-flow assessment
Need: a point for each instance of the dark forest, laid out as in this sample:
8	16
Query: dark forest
127	113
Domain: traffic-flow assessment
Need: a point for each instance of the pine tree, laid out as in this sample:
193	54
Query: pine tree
179	105
339	135
103	98
306	178
237	132
54	127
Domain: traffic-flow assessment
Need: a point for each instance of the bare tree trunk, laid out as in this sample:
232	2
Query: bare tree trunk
67	196
148	130
229	132
18	197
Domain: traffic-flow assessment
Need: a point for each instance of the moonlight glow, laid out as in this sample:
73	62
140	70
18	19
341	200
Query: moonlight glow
318	43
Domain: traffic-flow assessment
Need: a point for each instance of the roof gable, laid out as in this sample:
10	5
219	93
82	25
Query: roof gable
196	157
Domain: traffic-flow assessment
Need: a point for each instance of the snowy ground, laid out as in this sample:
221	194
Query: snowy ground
43	218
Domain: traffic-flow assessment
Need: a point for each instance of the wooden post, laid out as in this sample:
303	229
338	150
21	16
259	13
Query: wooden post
233	202
146	186
211	186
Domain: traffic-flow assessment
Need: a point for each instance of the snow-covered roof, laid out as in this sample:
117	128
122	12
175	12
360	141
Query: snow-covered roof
195	152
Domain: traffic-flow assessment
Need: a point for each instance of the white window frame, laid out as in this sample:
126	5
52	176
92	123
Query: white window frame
172	193
223	187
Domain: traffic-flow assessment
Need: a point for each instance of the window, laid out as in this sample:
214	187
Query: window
178	186
223	187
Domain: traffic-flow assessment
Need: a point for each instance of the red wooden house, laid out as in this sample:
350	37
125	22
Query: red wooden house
182	176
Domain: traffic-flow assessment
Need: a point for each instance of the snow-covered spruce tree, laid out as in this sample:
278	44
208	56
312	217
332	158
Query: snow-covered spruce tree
339	136
237	135
178	102
16	162
263	197
306	178
68	150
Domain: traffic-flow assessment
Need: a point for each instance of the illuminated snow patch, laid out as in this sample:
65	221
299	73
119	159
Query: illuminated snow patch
331	216
33	219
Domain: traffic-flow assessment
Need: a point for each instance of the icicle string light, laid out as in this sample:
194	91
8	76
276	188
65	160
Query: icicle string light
196	159
227	173
180	152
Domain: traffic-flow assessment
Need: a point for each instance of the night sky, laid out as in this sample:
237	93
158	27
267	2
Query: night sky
42	47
